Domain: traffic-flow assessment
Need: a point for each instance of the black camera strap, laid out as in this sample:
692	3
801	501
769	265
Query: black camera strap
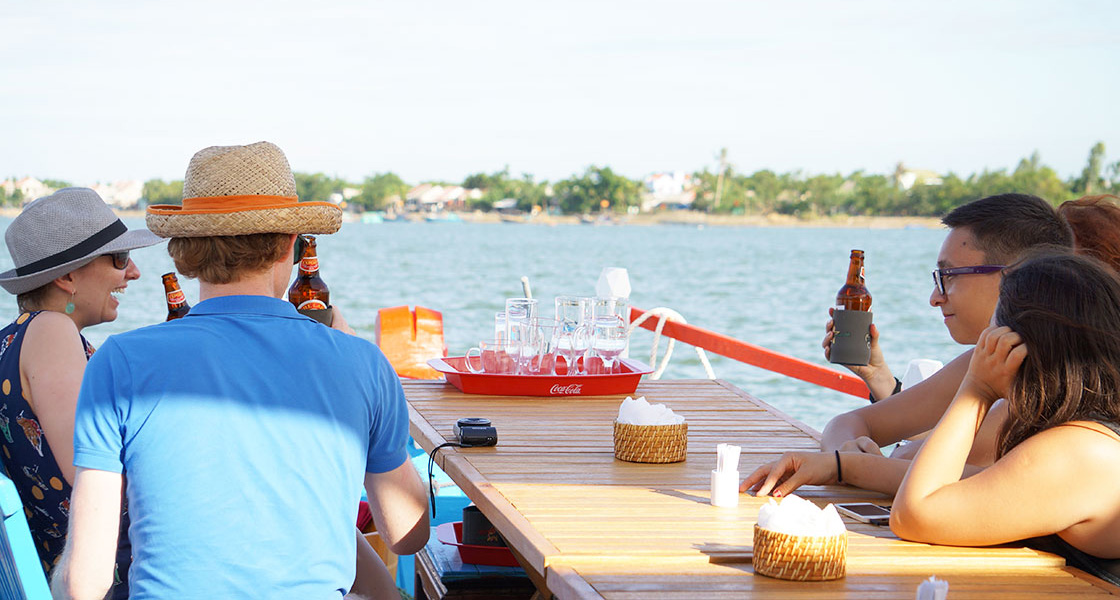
431	465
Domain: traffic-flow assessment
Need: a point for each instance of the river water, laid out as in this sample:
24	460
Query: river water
765	285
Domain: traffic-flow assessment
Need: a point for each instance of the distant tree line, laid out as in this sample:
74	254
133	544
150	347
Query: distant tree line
760	192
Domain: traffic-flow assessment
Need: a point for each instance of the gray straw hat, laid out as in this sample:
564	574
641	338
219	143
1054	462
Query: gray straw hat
57	234
240	190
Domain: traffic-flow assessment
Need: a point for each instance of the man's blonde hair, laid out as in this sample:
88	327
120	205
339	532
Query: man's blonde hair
226	259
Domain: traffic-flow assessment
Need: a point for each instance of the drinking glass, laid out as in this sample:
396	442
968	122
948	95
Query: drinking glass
605	310
493	357
608	340
519	310
573	314
500	326
572	344
545	361
524	344
573	311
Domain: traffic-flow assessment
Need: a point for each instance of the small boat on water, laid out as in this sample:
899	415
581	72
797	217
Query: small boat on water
443	217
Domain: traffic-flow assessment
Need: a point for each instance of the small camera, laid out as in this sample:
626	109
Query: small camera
475	431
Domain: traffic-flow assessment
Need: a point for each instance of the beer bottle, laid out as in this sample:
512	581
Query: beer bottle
177	306
308	291
854	294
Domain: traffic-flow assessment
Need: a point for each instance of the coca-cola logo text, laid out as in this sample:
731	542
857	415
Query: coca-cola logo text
566	390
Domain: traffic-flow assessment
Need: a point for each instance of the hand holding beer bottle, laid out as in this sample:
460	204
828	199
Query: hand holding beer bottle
851	337
309	293
177	306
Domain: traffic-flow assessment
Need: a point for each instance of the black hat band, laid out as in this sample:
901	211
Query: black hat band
111	232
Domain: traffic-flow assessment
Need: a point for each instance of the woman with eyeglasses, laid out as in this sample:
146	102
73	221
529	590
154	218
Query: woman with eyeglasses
71	257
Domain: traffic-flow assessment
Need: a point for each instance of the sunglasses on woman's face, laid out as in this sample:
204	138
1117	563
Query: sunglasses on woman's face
120	259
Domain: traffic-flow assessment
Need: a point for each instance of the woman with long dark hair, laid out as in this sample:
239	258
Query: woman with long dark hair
1053	351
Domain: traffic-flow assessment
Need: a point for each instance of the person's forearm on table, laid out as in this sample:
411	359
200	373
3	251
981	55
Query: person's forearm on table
871	472
939	463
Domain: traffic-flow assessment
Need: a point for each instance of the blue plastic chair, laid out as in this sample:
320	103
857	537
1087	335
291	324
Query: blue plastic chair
21	573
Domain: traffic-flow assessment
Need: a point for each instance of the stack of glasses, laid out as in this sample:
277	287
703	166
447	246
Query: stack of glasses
586	337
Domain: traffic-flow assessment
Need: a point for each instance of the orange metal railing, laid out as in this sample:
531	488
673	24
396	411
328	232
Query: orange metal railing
757	355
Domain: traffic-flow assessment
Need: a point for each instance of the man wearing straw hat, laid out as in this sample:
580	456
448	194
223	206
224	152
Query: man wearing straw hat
245	429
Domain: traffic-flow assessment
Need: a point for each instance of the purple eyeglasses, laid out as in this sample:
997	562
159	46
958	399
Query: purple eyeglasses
939	275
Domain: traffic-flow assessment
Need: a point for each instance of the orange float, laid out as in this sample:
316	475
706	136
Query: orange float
409	338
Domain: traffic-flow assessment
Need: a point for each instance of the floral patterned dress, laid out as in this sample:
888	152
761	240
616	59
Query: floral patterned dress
31	465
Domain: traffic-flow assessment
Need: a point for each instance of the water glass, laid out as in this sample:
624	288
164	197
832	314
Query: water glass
606	310
608	340
500	327
518	311
494	357
572	345
573	314
545	361
524	344
573	311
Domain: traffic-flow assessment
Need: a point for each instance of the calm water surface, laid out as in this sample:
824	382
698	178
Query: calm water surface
768	286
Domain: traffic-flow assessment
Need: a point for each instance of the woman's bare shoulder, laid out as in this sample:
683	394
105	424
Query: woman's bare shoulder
50	333
1083	445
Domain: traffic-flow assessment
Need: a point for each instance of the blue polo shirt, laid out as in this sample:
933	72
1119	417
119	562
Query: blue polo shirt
244	431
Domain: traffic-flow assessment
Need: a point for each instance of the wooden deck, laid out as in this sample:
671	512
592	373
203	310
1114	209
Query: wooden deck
586	525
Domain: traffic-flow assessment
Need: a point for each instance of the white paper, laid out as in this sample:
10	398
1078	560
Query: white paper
641	412
933	589
797	516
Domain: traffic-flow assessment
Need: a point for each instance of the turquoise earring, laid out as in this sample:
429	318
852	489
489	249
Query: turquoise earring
70	305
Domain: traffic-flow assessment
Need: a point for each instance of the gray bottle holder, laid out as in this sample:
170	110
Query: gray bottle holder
852	343
322	315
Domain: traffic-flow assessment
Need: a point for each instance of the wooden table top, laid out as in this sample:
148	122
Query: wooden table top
587	525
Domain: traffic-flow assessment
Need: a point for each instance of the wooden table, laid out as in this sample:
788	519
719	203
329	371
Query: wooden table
586	525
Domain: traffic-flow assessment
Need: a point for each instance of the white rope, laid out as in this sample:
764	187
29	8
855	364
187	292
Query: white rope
667	314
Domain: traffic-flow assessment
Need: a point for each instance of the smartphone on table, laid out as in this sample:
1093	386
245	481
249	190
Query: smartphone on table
865	512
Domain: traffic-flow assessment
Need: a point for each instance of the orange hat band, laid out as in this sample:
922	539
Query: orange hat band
236	203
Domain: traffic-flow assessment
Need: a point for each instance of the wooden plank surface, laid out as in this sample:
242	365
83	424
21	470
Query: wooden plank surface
588	525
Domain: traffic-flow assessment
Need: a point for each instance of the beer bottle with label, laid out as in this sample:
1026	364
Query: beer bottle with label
308	291
177	306
851	340
854	294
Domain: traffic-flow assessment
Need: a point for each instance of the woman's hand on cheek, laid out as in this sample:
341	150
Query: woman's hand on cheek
998	355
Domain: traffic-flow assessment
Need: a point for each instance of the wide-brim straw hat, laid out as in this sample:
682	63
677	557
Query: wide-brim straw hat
59	233
239	190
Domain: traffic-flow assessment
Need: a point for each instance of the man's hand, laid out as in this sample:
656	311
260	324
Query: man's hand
861	444
339	322
791	471
875	373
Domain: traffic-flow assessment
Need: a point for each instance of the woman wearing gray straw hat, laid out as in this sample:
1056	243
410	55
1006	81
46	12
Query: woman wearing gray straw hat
71	256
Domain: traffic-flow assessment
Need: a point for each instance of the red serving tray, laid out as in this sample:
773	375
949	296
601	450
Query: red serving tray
451	534
454	370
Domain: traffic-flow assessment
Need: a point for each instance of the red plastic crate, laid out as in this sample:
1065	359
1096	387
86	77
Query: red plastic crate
451	534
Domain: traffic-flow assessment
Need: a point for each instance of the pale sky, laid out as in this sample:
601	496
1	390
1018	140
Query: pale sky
106	90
